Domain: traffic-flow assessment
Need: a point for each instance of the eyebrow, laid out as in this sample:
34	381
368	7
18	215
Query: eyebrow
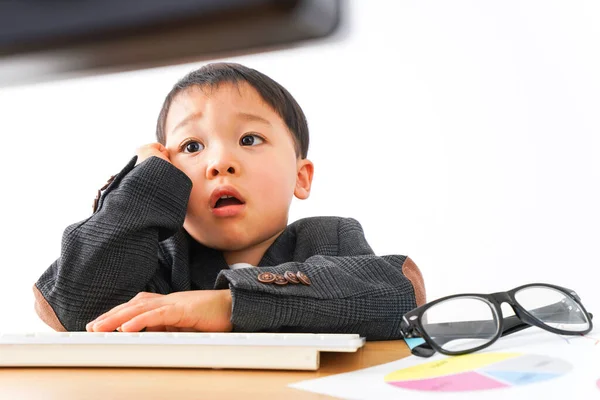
187	120
241	115
252	117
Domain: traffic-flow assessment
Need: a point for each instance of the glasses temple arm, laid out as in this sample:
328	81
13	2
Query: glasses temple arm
552	313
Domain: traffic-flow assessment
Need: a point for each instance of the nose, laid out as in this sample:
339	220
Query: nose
222	163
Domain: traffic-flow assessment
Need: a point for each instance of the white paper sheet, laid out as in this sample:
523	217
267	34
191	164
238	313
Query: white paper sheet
529	364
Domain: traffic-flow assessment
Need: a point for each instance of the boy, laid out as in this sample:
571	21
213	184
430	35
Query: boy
192	234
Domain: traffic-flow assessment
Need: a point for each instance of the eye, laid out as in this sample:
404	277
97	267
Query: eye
251	140
192	146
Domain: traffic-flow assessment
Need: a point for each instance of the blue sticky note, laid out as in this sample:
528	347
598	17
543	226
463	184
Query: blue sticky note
414	342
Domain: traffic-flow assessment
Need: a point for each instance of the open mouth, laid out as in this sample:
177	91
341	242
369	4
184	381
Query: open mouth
226	200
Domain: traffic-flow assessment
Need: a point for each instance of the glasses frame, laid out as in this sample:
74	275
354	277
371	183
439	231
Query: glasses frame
412	325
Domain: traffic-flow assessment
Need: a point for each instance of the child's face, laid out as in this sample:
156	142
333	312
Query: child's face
229	139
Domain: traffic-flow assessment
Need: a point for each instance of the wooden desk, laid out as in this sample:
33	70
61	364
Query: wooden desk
183	384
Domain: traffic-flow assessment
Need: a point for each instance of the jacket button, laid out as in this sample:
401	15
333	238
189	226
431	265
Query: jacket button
266	277
110	180
97	199
95	206
291	277
303	278
280	280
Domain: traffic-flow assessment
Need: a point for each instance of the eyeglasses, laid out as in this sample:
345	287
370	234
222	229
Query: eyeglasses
465	323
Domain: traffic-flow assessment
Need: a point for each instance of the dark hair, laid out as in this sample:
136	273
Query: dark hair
275	95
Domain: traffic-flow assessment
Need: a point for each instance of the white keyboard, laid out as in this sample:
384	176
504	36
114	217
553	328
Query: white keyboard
172	349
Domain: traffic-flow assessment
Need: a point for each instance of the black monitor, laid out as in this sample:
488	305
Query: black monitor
43	39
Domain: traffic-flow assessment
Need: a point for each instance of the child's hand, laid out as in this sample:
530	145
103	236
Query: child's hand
153	149
198	310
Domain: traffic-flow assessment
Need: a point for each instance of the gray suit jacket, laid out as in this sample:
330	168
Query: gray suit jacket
135	242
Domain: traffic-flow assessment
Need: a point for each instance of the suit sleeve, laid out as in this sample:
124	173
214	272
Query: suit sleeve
108	258
353	292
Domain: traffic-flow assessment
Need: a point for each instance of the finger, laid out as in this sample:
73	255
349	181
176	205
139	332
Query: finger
160	147
143	149
107	314
152	149
152	146
157	329
165	152
90	325
112	322
114	310
166	315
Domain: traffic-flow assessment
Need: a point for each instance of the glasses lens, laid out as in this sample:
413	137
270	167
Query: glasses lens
461	323
554	308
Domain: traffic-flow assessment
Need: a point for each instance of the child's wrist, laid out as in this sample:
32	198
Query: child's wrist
227	298
227	307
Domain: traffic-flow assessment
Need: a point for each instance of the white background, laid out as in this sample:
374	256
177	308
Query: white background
465	134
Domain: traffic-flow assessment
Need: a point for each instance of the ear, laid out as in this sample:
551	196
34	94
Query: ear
304	179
